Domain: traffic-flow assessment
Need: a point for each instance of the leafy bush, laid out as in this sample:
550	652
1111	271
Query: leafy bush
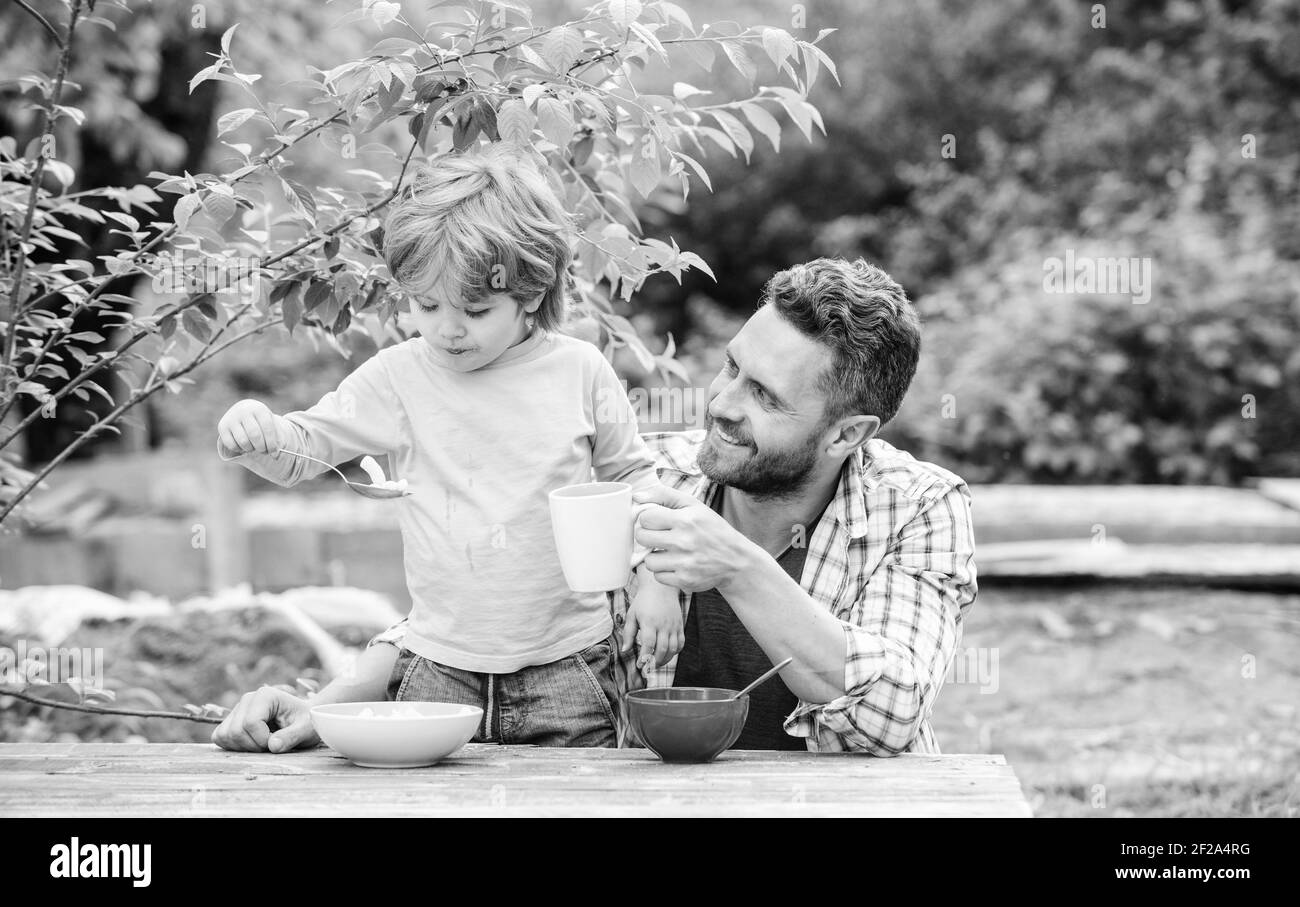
252	247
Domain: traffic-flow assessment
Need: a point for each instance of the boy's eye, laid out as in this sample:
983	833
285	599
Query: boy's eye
475	313
432	307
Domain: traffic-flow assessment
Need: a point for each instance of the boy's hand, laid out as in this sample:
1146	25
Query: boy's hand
654	623
250	427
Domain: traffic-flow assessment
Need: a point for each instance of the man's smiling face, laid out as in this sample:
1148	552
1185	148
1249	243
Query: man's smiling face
765	418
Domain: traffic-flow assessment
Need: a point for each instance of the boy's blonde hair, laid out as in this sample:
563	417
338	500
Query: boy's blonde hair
482	222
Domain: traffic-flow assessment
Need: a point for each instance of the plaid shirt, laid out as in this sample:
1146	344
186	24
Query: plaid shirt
893	559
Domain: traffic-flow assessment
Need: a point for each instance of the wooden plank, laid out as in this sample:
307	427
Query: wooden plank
200	779
1281	491
1240	564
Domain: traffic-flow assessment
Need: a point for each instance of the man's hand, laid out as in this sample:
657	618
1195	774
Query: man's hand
248	726
654	623
692	547
250	427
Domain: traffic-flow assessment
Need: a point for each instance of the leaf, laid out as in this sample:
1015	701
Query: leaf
291	307
675	13
86	337
764	122
624	12
735	130
649	38
305	199
556	121
515	121
233	120
780	46
719	138
185	209
682	91
697	167
342	320
91	385
740	59
701	52
561	47
125	220
220	208
204	74
319	292
61	172
393	47
645	170
225	39
196	325
582	149
381	12
207	304
690	258
798	109
812	55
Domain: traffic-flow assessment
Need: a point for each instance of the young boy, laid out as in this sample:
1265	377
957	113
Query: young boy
483	414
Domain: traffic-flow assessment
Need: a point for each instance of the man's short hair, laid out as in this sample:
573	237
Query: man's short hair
864	316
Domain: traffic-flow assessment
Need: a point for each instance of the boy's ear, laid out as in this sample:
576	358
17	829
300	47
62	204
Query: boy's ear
533	305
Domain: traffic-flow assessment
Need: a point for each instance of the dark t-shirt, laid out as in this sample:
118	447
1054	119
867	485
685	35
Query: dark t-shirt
720	652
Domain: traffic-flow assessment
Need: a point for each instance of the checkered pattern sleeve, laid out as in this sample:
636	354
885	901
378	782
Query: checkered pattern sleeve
900	634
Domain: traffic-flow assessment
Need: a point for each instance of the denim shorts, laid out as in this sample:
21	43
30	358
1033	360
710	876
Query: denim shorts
570	702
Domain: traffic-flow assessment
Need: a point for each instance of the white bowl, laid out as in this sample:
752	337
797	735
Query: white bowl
425	733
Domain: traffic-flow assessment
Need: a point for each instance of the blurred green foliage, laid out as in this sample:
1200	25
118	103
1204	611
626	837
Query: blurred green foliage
1131	140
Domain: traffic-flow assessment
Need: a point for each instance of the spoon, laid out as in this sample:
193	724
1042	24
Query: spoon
366	491
764	677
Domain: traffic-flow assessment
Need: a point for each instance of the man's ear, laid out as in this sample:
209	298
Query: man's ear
850	433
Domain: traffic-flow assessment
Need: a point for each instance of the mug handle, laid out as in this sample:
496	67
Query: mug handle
639	552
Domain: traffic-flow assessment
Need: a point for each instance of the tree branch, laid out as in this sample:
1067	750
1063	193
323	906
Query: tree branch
44	22
33	197
95	710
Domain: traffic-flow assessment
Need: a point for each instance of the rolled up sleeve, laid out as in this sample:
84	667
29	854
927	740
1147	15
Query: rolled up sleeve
901	634
393	636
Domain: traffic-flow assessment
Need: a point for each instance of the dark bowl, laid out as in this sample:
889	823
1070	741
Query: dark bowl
687	724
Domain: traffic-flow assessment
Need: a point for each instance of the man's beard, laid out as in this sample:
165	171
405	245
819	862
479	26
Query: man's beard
763	474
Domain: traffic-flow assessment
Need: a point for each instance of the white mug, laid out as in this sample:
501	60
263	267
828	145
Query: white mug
592	524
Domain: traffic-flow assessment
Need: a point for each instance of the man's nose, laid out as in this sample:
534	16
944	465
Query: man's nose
724	404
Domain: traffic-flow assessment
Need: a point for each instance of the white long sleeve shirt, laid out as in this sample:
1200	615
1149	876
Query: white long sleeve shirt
480	451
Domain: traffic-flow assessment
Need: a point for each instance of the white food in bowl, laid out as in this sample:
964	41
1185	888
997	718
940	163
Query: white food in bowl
396	734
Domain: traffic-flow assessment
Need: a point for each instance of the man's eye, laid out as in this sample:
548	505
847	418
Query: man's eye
729	366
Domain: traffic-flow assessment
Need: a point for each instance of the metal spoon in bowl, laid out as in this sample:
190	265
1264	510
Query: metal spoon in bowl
764	677
366	491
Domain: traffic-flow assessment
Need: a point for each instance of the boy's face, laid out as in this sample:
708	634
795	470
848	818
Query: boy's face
465	336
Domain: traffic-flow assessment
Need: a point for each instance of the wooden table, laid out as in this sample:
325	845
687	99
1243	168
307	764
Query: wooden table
118	779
